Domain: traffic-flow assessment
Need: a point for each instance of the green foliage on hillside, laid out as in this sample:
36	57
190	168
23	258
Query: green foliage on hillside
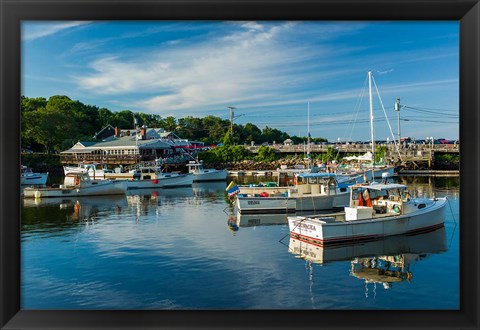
59	122
225	154
266	154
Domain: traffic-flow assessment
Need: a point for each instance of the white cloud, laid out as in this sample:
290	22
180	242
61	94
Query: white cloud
253	61
37	30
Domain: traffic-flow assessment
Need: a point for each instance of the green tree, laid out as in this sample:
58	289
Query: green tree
250	132
215	129
49	127
266	154
329	155
169	124
228	139
273	134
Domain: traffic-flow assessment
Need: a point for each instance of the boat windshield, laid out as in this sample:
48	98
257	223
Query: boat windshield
366	196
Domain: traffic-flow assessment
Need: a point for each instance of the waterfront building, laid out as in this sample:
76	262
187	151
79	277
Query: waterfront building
131	146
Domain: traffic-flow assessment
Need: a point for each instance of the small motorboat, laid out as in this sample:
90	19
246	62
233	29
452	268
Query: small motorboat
28	177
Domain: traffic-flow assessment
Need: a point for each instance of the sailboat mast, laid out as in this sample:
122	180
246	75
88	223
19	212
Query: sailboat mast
371	115
308	126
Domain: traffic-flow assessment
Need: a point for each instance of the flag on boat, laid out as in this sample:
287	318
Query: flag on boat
232	189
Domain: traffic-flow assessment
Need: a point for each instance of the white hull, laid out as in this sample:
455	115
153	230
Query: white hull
335	230
210	175
291	204
34	179
163	181
247	205
94	189
256	190
205	174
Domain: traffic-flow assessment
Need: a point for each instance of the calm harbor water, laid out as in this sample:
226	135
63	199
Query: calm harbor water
185	249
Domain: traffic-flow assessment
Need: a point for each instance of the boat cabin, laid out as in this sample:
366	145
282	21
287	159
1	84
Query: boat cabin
74	179
317	183
367	200
195	167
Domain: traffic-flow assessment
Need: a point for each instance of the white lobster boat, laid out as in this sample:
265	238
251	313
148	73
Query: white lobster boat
205	174
28	177
375	210
78	184
312	192
151	178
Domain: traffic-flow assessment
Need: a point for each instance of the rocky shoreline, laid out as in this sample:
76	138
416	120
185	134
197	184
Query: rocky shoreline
54	167
249	165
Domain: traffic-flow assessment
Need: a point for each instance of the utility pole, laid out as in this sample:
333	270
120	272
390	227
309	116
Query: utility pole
397	108
231	117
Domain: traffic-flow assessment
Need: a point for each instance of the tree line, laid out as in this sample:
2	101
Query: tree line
58	122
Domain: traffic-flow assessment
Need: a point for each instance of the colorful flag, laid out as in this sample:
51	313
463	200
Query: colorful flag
232	189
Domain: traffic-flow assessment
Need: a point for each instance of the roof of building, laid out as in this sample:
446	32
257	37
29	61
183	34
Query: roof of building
121	142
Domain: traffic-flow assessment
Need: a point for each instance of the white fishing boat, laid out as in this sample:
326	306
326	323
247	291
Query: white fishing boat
99	171
375	210
205	174
312	192
28	177
78	184
151	178
95	170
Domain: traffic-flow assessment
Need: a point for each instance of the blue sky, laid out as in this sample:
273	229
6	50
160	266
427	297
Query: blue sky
269	71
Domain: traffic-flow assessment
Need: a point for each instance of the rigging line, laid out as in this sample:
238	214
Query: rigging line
418	108
431	112
391	132
353	120
357	109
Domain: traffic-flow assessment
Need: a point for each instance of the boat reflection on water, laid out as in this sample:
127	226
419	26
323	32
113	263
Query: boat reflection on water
81	208
208	188
155	192
383	261
250	220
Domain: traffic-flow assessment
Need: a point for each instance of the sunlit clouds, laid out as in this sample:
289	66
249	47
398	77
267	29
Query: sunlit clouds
265	69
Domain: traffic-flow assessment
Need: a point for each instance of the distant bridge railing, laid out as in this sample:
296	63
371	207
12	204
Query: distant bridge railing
358	148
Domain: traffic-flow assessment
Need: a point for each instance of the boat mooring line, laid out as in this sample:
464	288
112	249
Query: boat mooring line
289	231
453	216
454	220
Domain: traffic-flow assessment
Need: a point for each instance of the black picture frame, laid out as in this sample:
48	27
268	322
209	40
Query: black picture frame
467	12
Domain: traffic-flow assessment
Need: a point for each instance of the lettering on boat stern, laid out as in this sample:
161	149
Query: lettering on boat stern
253	202
301	224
